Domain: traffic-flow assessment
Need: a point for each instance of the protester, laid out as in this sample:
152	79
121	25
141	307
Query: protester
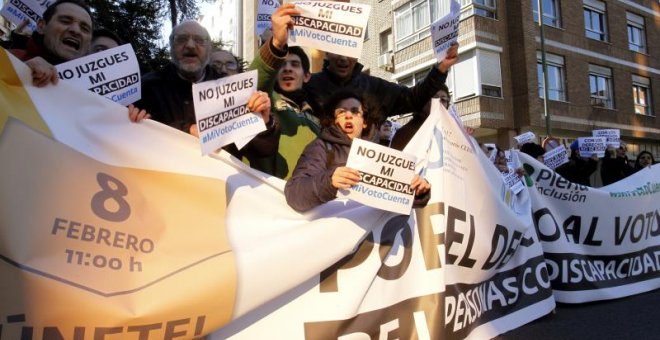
614	165
282	75
578	169
322	170
385	133
167	93
644	159
533	150
224	62
63	34
406	132
104	39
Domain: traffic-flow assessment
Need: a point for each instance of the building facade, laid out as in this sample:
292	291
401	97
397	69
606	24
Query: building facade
603	69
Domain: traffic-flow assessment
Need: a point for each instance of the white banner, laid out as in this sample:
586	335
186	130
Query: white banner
221	111
151	240
599	243
113	73
336	27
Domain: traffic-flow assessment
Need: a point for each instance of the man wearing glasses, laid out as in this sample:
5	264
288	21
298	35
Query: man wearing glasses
224	62
167	93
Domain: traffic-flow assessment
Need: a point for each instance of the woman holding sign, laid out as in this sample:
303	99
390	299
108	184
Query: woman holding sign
321	169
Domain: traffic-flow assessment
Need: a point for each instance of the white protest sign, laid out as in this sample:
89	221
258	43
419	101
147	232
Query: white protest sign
336	27
113	73
508	154
513	181
17	11
221	110
492	151
386	175
592	145
613	136
445	31
527	137
265	9
555	157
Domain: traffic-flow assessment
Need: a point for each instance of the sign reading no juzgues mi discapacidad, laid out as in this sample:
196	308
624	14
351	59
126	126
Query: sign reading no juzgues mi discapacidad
385	174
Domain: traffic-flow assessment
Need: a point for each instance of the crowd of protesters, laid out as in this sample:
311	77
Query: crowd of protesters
304	112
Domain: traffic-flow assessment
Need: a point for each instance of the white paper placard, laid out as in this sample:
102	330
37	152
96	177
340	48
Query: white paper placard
17	11
386	175
445	31
613	136
336	27
527	137
592	145
221	111
113	73
555	157
265	9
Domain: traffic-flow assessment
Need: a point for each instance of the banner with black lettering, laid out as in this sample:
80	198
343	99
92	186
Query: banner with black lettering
468	265
598	243
113	73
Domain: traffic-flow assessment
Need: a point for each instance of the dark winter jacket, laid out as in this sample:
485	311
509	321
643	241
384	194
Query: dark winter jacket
311	182
578	170
169	100
34	47
614	169
383	98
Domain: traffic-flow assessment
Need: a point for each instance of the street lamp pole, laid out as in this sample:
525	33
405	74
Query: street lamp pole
545	69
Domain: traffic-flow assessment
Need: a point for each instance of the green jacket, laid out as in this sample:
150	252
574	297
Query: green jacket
298	124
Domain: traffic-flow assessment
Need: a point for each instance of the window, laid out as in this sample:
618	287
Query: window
636	35
484	8
594	20
550	12
600	86
412	22
490	73
642	95
414	78
556	76
385	41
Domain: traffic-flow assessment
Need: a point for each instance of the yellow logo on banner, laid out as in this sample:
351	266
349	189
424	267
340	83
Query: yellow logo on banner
14	99
137	253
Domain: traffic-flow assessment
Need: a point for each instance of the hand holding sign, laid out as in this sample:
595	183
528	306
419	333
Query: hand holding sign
43	73
282	22
450	59
344	177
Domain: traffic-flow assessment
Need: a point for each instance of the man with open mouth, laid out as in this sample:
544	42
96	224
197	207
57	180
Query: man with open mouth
63	34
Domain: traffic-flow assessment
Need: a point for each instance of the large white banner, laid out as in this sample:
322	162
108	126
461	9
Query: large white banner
599	243
117	229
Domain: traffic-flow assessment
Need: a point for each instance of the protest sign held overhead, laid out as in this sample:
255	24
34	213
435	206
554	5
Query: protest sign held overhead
385	177
555	157
17	11
445	31
113	73
592	145
221	111
336	27
527	137
613	136
265	9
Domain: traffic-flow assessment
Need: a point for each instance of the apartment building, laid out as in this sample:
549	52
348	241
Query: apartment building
603	65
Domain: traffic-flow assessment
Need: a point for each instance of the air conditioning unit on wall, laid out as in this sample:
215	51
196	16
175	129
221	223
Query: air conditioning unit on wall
385	61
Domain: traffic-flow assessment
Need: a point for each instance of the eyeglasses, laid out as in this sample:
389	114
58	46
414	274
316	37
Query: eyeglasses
342	112
230	65
182	39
